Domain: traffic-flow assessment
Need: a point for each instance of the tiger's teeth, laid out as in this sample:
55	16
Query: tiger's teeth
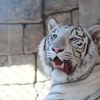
62	66
54	65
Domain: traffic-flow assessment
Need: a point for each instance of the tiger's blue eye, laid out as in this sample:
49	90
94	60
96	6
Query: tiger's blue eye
55	36
98	39
74	39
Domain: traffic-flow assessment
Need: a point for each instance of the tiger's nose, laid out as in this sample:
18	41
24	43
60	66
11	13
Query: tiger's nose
57	50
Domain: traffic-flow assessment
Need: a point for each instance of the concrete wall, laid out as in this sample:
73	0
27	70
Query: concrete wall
89	12
23	23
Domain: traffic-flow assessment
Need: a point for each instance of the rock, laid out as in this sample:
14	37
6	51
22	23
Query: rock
52	6
75	15
89	12
44	89
17	92
62	18
39	87
11	39
20	11
3	59
34	33
20	69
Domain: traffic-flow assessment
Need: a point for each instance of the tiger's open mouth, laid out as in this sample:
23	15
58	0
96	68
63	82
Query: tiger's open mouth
64	66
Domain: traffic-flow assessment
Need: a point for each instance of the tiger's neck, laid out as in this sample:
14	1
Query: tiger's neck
93	77
77	90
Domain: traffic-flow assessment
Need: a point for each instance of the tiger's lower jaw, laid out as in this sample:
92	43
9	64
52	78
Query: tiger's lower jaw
61	77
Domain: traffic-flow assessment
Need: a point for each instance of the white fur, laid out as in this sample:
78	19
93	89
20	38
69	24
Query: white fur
77	90
47	68
79	71
58	76
83	82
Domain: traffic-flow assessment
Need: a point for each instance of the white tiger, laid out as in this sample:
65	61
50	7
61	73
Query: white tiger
71	58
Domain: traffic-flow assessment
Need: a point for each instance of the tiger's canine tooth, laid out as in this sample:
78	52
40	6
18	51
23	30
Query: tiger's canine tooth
62	66
54	65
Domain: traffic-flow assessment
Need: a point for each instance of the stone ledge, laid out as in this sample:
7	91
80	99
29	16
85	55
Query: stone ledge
52	6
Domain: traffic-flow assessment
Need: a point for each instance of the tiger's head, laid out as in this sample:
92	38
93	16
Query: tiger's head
68	53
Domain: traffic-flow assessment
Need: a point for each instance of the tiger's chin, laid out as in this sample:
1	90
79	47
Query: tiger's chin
59	75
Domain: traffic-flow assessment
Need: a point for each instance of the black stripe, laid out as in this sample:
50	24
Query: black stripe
44	44
52	93
87	49
71	31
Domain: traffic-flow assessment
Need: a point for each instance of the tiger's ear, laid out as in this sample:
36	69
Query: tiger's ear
51	24
95	33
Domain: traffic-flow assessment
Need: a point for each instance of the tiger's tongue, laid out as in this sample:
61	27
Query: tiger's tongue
58	64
